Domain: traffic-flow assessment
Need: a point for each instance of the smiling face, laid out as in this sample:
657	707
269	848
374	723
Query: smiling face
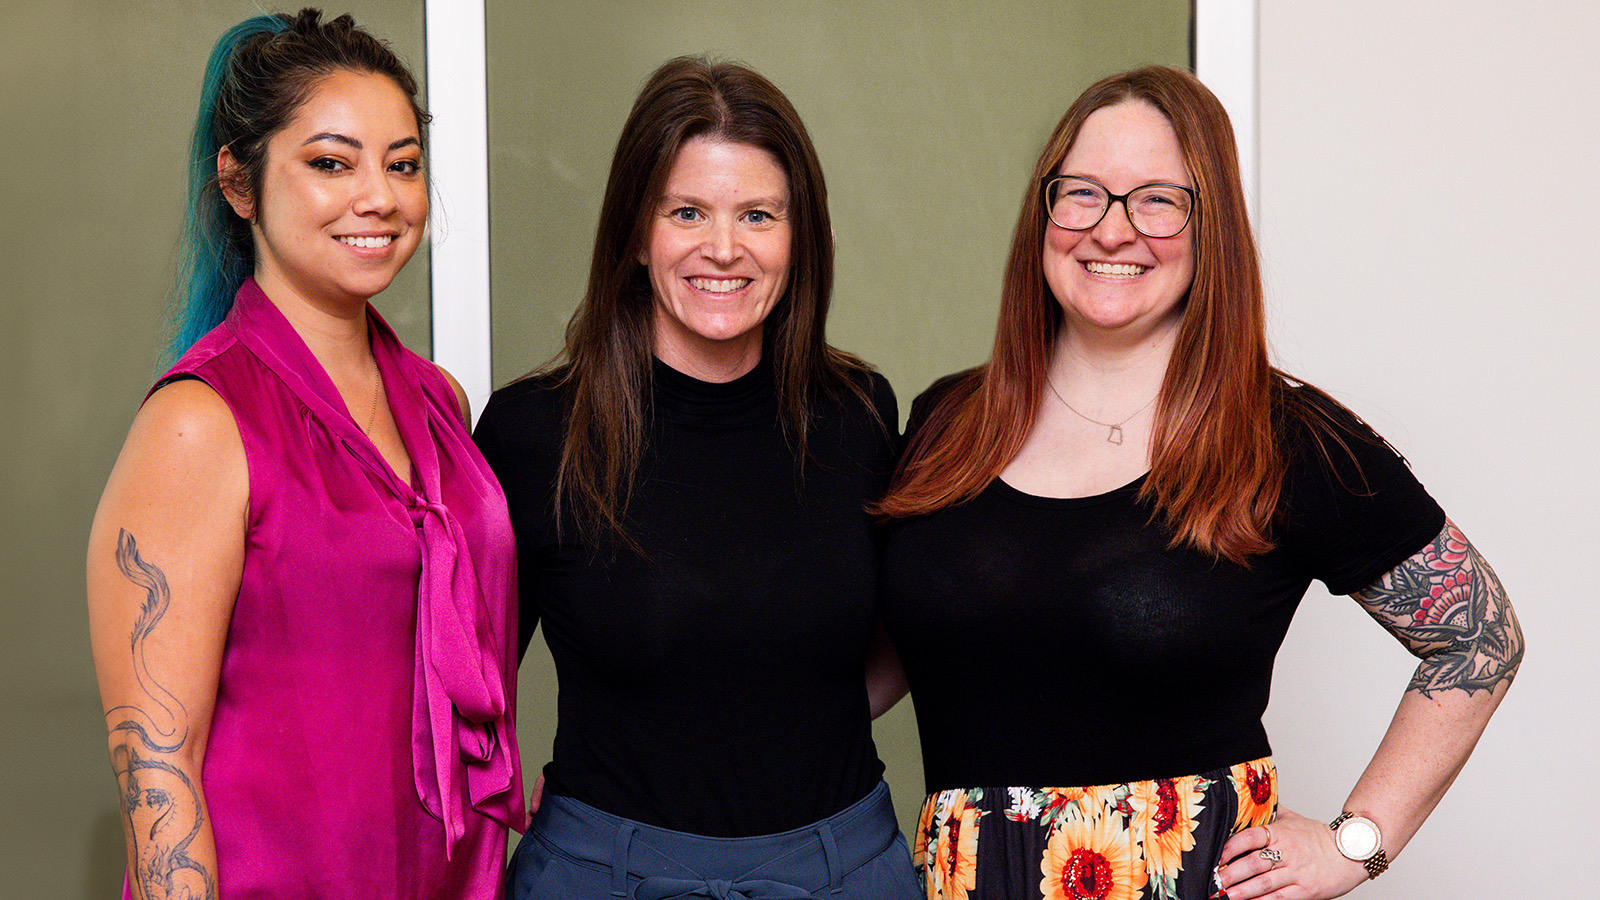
718	255
1111	277
343	200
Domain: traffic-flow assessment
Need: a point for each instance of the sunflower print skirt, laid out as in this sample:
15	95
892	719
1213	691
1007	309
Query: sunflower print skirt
1147	840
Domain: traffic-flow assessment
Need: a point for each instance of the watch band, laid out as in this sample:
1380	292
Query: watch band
1377	864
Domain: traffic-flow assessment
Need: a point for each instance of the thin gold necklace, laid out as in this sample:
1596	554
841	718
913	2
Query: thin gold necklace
1114	435
377	389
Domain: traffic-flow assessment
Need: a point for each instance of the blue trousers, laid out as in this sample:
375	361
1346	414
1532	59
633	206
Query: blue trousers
573	851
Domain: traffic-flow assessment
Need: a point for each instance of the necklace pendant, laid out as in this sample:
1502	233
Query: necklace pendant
1115	437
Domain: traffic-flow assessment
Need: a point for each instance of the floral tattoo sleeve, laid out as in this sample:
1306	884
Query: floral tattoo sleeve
1448	607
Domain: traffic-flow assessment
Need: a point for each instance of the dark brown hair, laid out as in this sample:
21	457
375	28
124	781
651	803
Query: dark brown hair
1216	465
606	362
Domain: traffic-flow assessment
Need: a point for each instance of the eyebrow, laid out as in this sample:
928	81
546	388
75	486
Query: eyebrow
1158	180
352	142
770	200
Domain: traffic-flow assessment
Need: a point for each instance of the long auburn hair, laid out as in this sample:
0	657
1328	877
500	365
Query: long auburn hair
606	362
1216	465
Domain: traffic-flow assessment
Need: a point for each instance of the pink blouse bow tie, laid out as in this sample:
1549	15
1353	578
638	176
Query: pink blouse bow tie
459	730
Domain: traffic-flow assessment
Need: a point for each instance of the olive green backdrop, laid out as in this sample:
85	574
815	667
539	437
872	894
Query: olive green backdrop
927	117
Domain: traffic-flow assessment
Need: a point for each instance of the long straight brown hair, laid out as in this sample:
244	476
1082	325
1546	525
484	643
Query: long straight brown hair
1216	466
606	362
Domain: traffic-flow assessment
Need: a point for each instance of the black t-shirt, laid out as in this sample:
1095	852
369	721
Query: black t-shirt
1063	642
713	684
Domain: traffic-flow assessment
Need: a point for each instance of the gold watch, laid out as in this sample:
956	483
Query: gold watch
1359	839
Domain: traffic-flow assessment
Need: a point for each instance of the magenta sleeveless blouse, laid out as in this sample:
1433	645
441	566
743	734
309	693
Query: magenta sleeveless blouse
363	742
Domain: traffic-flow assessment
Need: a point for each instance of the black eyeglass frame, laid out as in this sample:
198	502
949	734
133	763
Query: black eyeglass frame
1044	199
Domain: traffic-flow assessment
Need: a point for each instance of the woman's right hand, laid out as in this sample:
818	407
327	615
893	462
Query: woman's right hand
535	797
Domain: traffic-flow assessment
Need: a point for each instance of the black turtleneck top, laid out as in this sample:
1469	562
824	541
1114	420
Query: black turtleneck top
712	683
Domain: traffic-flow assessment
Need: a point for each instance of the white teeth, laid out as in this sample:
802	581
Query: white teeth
1121	270
718	285
371	243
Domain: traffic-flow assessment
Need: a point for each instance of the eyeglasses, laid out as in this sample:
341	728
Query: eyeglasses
1154	210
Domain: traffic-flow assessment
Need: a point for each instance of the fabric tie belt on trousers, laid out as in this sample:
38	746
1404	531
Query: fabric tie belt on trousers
666	887
660	887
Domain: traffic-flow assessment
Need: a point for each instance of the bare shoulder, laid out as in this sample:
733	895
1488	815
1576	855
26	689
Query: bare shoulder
176	505
188	408
183	449
188	420
463	406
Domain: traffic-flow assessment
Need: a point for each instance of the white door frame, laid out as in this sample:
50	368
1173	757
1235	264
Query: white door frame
1225	39
458	96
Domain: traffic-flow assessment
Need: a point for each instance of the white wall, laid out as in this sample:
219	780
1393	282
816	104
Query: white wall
1430	221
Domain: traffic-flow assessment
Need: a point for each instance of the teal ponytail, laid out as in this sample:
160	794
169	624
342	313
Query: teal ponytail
214	262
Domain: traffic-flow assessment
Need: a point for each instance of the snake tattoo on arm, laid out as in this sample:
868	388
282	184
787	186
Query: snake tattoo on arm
160	803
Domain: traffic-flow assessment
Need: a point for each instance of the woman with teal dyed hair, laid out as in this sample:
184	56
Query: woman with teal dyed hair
300	576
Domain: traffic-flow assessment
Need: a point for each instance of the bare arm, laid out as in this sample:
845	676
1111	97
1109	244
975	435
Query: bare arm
1447	607
165	558
886	679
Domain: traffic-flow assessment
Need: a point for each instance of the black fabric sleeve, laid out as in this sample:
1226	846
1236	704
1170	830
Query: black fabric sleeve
884	400
1353	508
887	407
929	400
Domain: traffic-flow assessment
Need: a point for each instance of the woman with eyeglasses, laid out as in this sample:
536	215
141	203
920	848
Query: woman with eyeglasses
1100	535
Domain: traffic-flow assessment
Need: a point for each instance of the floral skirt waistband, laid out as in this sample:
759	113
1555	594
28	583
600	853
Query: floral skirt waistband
1145	840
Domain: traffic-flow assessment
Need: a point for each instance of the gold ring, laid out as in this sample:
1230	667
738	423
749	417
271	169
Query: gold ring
1271	855
1268	829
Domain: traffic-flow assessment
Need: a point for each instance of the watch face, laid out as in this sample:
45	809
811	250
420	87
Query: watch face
1357	838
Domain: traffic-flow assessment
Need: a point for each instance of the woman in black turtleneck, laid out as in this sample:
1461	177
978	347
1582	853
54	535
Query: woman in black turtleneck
688	487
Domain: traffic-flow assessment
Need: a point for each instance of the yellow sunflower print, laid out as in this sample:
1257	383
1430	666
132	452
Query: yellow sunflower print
922	853
952	870
1087	800
1164	822
1256	784
1091	858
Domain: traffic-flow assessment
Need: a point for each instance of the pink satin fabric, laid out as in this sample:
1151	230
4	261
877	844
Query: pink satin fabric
363	742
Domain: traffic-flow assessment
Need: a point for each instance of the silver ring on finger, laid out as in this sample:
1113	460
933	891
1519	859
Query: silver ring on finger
1271	855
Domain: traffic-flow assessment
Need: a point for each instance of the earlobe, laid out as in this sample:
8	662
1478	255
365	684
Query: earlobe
228	179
